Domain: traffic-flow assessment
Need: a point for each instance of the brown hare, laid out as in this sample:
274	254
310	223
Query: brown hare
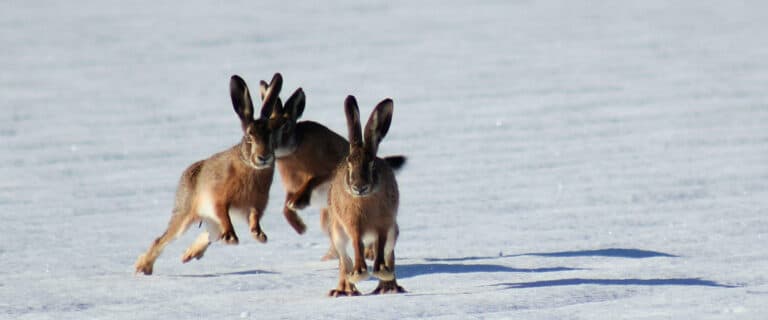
363	201
307	154
237	180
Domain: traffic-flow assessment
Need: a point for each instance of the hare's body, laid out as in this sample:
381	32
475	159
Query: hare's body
236	181
307	155
364	221
363	201
306	165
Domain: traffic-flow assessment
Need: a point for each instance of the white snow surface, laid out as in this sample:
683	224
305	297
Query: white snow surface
566	159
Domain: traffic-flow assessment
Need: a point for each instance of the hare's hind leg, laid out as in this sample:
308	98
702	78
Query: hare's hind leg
340	241
386	274
325	224
179	224
197	249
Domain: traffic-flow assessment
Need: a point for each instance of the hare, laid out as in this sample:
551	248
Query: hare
307	154
236	179
363	200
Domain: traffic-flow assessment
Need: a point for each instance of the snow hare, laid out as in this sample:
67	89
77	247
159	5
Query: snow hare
307	154
236	179
363	201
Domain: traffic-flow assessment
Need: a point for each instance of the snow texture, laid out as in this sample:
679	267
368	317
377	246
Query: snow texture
567	159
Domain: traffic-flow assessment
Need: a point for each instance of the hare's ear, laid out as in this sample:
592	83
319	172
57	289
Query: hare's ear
378	125
353	121
271	97
263	85
241	100
294	107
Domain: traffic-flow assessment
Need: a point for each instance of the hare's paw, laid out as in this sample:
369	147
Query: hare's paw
299	201
260	236
192	253
143	265
340	293
345	289
294	220
386	287
384	274
330	255
358	275
229	237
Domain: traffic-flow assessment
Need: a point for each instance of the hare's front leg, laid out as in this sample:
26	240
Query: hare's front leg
380	270
325	224
301	198
221	212
385	254
292	217
345	287
360	269
254	222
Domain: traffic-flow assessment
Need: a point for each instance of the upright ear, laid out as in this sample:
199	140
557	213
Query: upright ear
353	121
271	96
294	107
241	99
263	85
378	125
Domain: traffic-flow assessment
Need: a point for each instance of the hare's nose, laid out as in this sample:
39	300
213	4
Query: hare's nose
360	189
263	158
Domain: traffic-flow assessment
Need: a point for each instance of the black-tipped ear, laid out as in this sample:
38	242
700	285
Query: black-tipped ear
241	99
263	85
271	96
294	107
353	121
378	124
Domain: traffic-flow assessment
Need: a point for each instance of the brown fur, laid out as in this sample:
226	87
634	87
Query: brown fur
363	202
307	155
238	178
317	152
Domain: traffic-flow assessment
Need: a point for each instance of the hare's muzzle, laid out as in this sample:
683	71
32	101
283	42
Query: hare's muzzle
263	161
359	191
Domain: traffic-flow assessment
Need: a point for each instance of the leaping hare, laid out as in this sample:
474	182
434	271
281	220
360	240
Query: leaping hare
363	201
307	154
237	179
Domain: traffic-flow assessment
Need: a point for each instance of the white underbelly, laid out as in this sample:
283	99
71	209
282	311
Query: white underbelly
319	197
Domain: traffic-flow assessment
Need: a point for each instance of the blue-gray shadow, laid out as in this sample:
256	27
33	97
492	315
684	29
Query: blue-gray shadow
224	274
610	252
418	269
615	282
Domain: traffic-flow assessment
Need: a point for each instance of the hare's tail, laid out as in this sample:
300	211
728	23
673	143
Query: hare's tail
395	162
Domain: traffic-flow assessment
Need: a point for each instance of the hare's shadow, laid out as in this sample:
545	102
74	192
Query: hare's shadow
224	274
610	252
418	269
616	282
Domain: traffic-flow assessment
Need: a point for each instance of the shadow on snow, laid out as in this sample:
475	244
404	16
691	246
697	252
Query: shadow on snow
224	274
610	252
417	269
615	282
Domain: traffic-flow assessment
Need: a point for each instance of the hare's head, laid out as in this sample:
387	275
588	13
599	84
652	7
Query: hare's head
362	175
257	147
284	118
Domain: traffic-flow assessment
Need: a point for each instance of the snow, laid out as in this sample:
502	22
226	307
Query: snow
567	159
